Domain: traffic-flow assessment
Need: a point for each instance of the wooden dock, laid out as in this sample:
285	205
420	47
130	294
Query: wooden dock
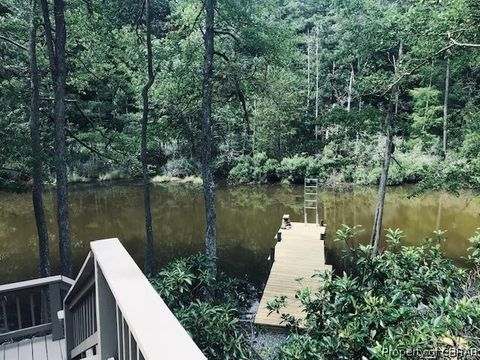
299	255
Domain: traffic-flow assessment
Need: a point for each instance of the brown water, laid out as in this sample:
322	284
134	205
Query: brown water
248	218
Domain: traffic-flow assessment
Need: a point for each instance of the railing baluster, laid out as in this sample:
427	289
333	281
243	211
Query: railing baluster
4	312
19	314
43	310
89	330
74	323
129	345
84	321
32	309
123	337
118	334
94	312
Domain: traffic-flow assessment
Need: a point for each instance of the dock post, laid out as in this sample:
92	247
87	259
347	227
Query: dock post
272	255
279	236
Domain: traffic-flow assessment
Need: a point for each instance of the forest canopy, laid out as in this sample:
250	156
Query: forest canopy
303	84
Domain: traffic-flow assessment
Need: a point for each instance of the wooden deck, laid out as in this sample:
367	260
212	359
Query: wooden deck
299	255
37	348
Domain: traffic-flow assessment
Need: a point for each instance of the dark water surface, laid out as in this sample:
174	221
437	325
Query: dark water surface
248	218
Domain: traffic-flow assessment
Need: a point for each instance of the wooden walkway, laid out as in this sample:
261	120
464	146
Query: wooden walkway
37	348
299	255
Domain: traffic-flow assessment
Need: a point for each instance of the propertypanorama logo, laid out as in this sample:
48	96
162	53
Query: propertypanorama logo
456	353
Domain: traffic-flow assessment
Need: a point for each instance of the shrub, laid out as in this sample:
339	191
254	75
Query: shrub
242	172
296	168
206	306
371	311
181	167
254	169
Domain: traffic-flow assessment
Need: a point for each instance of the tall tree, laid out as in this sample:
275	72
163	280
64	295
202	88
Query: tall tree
445	109
317	81
382	187
149	263
56	54
207	138
392	112
308	70
37	153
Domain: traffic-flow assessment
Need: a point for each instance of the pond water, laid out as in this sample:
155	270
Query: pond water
248	218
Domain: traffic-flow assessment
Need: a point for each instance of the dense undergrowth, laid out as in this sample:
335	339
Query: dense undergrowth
208	307
361	165
407	299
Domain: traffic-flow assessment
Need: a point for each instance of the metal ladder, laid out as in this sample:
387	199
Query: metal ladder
311	198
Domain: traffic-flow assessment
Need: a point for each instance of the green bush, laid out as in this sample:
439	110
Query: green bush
206	306
296	168
404	298
181	167
257	169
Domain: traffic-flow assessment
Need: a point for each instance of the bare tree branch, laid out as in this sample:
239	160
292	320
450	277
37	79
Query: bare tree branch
89	147
460	44
227	33
416	67
222	55
13	42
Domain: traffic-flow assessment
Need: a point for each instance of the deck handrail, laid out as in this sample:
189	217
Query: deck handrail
128	319
36	304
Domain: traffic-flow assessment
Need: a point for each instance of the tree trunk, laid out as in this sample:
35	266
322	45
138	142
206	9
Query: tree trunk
49	40
445	109
350	89
389	148
382	188
207	139
308	72
60	157
317	73
37	189
149	262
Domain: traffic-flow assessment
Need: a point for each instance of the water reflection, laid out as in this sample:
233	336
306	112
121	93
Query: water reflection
248	218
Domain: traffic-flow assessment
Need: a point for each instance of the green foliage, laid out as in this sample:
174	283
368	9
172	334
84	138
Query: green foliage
254	169
296	168
215	330
426	117
474	249
181	167
206	306
371	312
263	101
300	347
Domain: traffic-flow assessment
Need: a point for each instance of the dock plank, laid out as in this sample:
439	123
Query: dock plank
25	350
37	348
298	257
54	350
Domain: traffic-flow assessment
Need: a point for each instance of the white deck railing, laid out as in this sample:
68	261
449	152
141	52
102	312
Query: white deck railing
29	308
113	313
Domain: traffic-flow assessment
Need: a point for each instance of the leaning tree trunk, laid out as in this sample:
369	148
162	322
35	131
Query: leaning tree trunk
392	111
382	187
207	138
37	151
445	109
60	151
149	263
